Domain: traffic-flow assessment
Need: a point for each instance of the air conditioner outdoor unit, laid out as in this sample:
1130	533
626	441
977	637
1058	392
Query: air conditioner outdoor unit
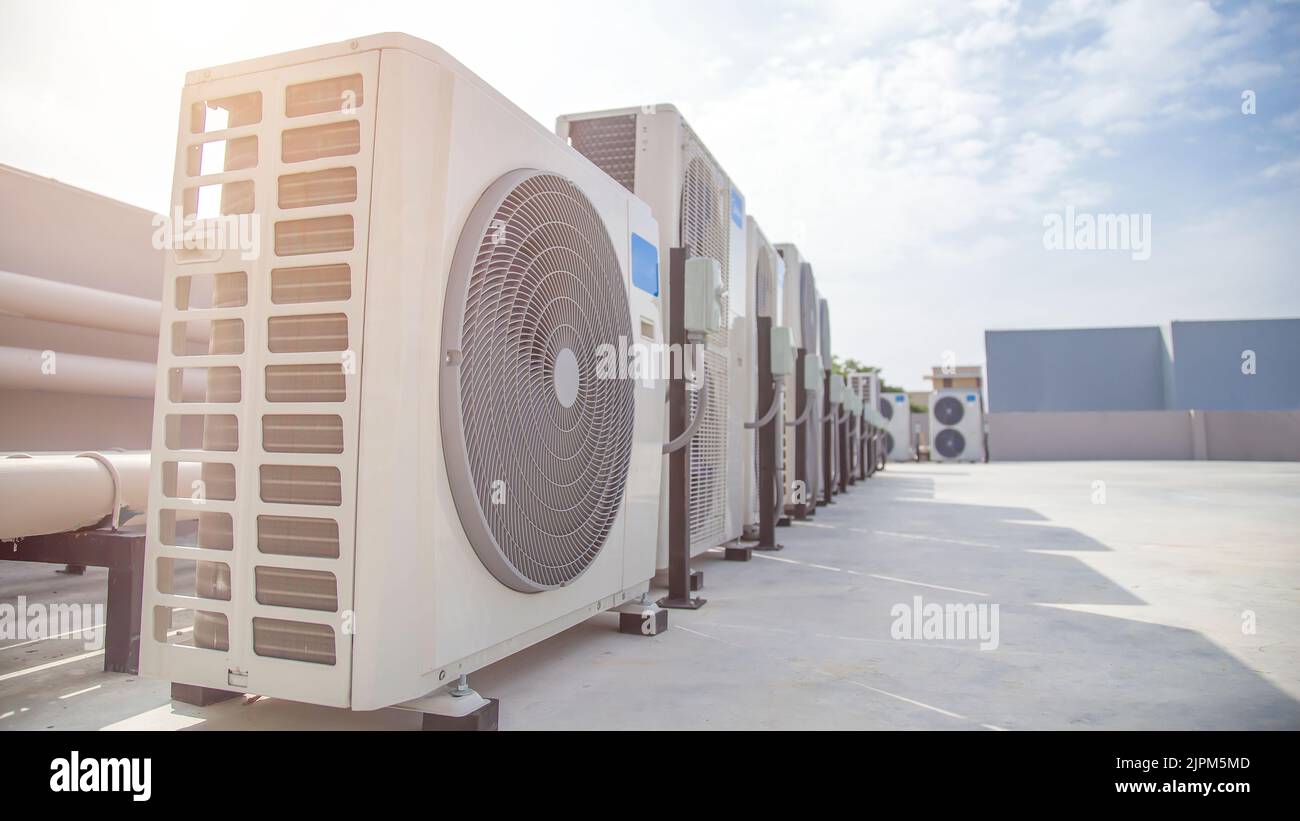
866	386
765	271
897	411
956	425
653	152
862	384
410	467
799	311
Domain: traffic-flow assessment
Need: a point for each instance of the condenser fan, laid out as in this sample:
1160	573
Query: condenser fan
950	443
889	442
537	448
949	410
886	409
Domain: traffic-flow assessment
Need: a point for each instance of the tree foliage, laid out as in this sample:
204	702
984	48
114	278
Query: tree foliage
844	367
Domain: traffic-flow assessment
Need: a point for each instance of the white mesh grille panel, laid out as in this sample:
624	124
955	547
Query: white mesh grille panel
538	447
704	232
610	143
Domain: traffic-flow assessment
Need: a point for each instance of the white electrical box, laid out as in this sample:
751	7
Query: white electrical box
837	389
703	306
782	351
812	372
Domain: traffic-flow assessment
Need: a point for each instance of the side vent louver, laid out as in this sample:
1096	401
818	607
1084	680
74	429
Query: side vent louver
254	541
704	232
610	143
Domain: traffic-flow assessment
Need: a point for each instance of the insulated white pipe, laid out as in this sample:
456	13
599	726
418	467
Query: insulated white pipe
36	298
23	369
52	494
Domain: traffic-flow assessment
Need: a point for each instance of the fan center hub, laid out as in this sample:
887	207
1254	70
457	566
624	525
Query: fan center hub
566	376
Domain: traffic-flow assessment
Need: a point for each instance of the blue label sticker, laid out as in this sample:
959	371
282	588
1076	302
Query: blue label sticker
900	398
970	397
737	208
645	265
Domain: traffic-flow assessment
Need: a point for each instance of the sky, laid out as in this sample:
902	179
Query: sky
915	151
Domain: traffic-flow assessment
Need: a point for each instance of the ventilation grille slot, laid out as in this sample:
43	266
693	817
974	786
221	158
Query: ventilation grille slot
304	589
298	536
294	640
311	283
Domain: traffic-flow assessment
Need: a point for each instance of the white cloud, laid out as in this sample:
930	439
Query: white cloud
914	146
1283	170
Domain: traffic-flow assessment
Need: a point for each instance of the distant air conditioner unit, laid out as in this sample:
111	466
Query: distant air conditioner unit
956	425
410	467
765	272
654	153
799	306
898	432
865	385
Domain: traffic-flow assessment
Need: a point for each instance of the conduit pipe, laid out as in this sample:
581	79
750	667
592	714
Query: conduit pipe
45	493
53	301
24	369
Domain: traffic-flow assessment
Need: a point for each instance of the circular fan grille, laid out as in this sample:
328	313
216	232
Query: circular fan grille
948	410
889	443
886	409
950	443
537	446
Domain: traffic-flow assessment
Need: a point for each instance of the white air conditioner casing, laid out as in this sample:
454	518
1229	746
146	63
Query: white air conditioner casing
386	378
799	313
956	425
897	411
765	271
653	152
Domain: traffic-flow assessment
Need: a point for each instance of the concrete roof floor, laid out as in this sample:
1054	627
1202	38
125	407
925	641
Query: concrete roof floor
1122	615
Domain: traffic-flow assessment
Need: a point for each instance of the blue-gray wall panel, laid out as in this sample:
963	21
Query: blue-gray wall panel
1088	369
1207	365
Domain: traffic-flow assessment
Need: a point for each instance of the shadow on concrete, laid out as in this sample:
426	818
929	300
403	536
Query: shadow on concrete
797	640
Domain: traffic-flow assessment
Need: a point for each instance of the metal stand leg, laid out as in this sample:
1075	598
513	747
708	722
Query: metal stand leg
679	549
828	489
769	495
125	594
801	508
